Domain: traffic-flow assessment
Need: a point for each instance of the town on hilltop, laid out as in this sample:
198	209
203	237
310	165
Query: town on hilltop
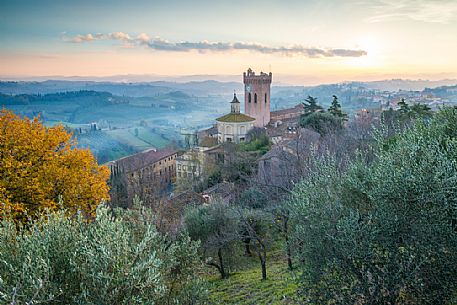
152	173
174	173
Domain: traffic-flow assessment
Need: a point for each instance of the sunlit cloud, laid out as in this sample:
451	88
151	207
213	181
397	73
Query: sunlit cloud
438	11
85	38
160	44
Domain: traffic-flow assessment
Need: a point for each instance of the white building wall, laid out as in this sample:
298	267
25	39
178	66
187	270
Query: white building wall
234	131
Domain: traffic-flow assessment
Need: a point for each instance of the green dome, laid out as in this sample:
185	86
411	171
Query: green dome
235	118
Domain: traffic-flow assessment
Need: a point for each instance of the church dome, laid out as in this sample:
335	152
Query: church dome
235	118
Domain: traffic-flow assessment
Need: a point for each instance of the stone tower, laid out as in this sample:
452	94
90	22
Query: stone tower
257	96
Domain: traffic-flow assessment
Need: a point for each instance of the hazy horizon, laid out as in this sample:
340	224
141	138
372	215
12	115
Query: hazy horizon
279	80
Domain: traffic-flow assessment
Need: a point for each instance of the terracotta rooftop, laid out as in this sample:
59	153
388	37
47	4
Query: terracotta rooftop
143	159
298	108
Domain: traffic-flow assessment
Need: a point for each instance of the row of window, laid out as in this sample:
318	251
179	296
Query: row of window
184	168
229	139
228	129
183	175
255	98
169	169
167	159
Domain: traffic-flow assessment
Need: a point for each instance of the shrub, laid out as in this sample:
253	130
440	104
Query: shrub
63	260
383	233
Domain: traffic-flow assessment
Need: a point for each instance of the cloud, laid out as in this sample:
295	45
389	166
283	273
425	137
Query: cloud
85	38
204	46
438	11
160	44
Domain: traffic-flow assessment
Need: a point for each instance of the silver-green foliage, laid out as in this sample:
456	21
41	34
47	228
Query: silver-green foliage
61	260
215	226
383	232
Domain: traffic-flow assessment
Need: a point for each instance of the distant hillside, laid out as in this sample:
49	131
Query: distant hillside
444	91
92	98
195	88
406	84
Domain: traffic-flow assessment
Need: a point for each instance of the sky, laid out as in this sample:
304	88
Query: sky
300	41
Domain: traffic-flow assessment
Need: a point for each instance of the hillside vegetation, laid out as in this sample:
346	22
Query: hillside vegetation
346	213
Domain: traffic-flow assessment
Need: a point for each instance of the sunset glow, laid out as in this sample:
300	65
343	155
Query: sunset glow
320	41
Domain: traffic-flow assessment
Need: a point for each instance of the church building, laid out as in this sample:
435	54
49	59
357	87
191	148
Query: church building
234	126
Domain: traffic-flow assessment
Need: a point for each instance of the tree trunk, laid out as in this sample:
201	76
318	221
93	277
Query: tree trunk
288	252
224	275
247	247
263	262
289	255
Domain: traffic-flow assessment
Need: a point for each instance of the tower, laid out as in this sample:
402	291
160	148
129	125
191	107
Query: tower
257	96
235	105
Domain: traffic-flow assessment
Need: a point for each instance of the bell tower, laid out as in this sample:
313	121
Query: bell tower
257	96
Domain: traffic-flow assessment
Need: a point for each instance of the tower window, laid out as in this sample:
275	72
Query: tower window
249	97
265	98
255	97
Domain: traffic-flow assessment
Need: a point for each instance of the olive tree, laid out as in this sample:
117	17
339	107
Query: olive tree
215	226
383	232
60	260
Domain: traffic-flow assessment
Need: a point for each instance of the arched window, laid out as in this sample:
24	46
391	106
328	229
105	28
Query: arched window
265	98
249	97
255	97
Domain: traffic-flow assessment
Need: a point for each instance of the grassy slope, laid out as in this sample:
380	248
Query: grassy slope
152	138
144	140
245	287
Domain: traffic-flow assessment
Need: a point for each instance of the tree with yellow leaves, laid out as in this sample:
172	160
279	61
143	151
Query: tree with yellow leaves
40	166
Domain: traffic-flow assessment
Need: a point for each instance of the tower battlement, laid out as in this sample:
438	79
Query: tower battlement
251	77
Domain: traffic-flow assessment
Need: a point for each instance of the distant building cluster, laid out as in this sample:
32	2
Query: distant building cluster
151	173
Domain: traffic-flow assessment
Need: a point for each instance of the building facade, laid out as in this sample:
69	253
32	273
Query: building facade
193	163
148	174
189	165
257	96
233	127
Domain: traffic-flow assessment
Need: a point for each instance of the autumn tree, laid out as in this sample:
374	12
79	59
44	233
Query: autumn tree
41	168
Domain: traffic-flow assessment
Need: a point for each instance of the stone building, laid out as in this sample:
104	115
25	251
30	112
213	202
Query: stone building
257	96
190	163
148	174
234	126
